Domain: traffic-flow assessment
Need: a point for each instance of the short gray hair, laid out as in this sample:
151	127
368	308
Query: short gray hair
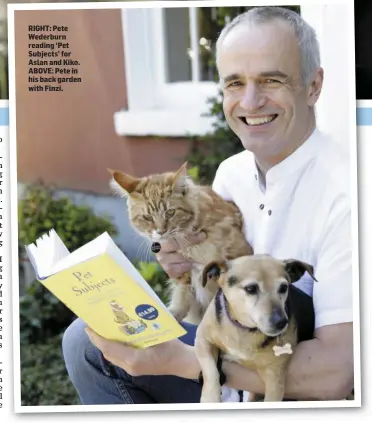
305	34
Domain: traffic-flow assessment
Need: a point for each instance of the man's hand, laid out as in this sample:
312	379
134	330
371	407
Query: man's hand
169	358
173	262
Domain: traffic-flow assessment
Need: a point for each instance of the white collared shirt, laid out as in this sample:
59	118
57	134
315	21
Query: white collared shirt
304	213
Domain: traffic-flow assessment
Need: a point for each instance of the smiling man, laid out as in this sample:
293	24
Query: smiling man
291	184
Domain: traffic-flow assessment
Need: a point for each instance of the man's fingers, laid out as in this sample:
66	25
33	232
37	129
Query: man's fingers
170	258
176	270
174	244
169	246
108	348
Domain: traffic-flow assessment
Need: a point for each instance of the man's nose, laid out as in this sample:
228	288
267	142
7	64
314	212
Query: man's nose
252	99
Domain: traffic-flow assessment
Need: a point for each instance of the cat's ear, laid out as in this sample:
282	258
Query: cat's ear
121	183
179	179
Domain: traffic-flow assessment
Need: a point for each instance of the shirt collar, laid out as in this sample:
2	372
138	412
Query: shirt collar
294	162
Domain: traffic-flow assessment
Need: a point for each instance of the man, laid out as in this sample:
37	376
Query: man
291	185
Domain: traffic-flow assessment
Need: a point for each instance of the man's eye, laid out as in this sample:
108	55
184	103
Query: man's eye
235	84
271	81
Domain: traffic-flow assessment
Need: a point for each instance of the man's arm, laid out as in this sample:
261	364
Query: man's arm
320	369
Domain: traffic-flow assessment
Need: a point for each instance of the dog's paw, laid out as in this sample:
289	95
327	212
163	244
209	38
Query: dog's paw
211	395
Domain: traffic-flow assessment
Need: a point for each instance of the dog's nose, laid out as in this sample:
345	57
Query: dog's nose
278	320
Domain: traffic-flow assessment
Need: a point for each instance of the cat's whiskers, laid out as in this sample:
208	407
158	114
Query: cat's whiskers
144	249
139	250
148	250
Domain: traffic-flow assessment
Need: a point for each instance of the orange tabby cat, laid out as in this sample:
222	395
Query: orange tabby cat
172	205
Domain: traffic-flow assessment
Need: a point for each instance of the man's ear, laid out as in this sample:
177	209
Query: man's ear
213	271
315	87
295	269
121	183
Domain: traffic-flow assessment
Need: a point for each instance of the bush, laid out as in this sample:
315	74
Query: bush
153	273
44	379
41	210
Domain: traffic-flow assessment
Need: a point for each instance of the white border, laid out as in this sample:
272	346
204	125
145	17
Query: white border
14	223
364	103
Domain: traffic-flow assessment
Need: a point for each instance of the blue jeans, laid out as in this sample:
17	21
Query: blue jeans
99	382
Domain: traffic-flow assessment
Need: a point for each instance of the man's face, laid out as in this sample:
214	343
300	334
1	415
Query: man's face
265	102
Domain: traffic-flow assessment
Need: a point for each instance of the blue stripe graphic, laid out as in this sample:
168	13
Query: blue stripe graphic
4	116
364	116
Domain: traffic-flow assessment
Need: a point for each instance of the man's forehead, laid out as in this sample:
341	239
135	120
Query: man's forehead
276	28
259	48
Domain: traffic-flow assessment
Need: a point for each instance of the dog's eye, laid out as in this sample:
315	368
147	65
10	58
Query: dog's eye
148	217
170	212
283	288
251	289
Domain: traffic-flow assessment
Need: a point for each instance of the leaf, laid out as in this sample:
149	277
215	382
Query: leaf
194	173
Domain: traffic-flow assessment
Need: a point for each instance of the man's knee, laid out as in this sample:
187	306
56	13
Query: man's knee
74	344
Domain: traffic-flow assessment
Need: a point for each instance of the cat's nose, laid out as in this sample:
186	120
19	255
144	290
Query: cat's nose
161	231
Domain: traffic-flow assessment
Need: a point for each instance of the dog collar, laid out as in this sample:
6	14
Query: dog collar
223	305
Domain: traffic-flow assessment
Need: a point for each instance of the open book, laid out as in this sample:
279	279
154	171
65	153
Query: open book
101	286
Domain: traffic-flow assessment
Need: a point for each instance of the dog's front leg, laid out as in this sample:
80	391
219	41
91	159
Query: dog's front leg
206	354
274	381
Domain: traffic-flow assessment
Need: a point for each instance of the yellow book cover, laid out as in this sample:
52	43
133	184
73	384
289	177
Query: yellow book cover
101	286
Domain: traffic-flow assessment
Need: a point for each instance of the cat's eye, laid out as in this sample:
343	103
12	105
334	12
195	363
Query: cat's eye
170	212
148	217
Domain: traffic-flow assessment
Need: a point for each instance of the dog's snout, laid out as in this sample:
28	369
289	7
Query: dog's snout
278	319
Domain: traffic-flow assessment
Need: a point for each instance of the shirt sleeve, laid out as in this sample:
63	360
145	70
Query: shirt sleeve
333	291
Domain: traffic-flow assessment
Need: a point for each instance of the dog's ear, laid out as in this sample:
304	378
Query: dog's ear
295	269
213	272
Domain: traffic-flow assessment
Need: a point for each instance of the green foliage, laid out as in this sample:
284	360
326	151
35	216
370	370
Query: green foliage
42	315
194	173
3	60
44	379
207	152
155	276
41	209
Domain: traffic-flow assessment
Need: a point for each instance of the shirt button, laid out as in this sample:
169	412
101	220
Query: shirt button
262	206
269	212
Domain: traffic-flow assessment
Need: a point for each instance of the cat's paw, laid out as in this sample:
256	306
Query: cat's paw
179	315
185	279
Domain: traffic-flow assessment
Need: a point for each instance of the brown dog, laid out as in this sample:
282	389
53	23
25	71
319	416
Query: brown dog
249	321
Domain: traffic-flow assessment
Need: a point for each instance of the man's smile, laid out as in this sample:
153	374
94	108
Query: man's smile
259	120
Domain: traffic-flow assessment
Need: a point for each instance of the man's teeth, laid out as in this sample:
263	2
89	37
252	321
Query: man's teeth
260	120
